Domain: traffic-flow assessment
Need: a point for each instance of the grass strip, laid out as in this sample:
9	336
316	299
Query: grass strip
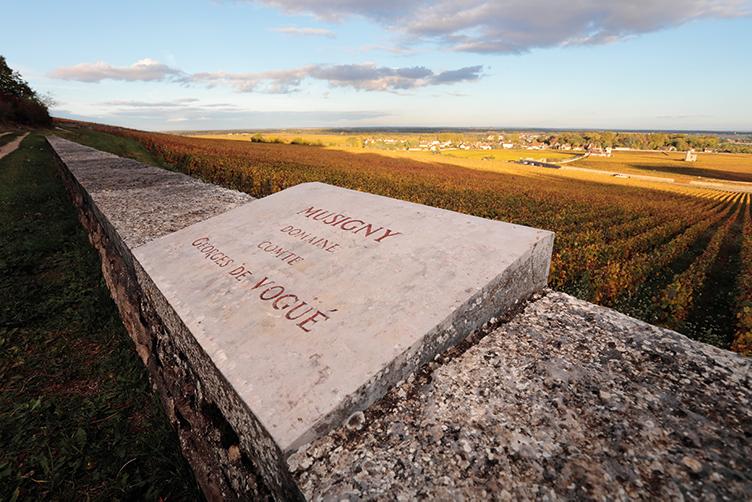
79	419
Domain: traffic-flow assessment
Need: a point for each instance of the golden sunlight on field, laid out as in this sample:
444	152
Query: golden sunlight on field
669	253
723	166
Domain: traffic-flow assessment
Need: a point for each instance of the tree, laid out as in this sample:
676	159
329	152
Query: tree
681	144
593	138
576	139
354	142
18	102
640	141
657	140
629	140
451	137
710	141
695	142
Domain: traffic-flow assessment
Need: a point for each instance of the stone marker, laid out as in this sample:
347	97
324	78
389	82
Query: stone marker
314	301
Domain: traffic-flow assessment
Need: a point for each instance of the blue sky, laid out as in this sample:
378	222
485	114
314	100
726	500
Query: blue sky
221	64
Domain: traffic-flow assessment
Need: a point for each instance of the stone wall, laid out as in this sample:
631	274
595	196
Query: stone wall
560	399
122	204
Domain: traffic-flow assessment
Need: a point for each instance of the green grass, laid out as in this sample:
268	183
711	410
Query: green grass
118	145
7	138
78	417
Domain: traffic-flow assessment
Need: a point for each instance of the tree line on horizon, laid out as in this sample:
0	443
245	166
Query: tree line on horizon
645	141
610	139
575	139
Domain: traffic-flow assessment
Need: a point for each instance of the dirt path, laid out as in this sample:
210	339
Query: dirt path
5	150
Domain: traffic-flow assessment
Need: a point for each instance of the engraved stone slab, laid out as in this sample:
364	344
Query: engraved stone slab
314	301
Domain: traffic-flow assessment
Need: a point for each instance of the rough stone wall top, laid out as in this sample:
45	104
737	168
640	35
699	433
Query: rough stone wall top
140	201
568	400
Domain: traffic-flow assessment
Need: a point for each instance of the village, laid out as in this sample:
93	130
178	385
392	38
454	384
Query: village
594	144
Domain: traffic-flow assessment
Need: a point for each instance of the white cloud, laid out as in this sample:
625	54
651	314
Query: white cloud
303	32
366	76
149	104
393	50
146	70
336	10
273	81
515	26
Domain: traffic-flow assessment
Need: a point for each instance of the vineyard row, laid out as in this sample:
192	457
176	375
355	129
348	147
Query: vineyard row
611	237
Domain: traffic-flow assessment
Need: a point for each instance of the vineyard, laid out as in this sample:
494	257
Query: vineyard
672	255
735	168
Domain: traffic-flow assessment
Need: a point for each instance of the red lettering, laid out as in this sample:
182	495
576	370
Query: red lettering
276	302
262	295
368	229
241	276
388	233
278	251
288	316
321	241
312	319
236	271
296	310
342	222
337	219
239	273
357	222
323	215
262	282
310	211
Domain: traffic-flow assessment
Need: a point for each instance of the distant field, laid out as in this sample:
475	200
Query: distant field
666	253
722	166
287	136
339	140
513	154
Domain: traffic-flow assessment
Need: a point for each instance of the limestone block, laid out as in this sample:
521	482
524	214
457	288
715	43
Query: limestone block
315	301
